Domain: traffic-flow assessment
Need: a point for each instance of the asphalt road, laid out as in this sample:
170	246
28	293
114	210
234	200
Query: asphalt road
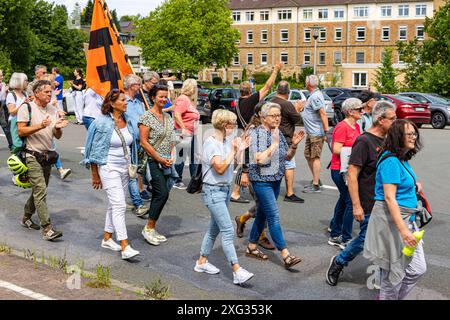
79	212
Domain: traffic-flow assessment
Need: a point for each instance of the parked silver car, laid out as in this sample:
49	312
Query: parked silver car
439	107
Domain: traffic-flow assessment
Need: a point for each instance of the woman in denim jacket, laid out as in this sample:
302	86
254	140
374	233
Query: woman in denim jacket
108	154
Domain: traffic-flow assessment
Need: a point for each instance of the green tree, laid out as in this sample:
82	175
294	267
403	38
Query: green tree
384	81
302	76
427	62
86	14
244	74
115	19
188	35
133	18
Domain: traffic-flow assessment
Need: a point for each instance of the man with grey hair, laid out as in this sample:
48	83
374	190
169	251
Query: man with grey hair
316	125
39	71
40	126
150	79
361	172
135	109
289	117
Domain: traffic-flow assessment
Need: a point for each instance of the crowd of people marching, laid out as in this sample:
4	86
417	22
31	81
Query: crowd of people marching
139	138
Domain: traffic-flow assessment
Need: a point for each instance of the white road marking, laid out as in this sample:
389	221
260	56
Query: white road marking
2	135
23	291
329	187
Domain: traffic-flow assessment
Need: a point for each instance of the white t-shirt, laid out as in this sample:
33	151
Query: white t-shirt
212	148
18	103
92	104
116	155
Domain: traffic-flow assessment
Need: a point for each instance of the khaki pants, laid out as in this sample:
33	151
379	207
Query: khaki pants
39	177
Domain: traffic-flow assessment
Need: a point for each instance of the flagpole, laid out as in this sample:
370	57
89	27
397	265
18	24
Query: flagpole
119	41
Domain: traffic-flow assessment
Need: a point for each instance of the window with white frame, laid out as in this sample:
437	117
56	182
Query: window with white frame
284	14
263	58
421	10
339	13
323	14
306	57
249	15
337	34
235	76
360	33
385	33
236	60
360	57
400	59
249	36
264	36
307	14
284	35
420	33
264	15
322	58
403	10
236	16
386	11
306	35
337	57
402	33
249	58
361	12
323	34
360	79
284	57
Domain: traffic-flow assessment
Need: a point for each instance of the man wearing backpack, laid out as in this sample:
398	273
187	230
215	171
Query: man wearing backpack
361	183
39	127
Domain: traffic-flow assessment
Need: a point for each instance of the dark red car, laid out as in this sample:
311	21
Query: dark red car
408	108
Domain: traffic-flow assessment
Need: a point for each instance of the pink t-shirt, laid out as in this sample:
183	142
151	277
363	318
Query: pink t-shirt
189	113
345	134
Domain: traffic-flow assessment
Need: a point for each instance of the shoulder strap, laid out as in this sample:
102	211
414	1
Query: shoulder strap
166	129
241	118
408	172
122	139
14	96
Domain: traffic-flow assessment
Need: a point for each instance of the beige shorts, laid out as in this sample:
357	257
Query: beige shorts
313	146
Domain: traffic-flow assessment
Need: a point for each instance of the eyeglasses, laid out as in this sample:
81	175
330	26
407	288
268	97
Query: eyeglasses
391	118
358	109
274	116
412	134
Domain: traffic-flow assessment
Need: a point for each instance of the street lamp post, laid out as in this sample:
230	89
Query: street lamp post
316	30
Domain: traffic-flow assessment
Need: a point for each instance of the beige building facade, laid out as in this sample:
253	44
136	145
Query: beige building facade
350	39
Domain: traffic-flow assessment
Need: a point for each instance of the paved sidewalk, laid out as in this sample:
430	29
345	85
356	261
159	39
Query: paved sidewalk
22	279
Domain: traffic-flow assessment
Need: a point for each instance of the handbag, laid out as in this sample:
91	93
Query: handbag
132	168
196	183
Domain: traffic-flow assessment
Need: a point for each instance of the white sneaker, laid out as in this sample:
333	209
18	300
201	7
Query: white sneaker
241	276
142	210
150	236
206	267
110	244
180	185
129	253
14	180
160	237
65	173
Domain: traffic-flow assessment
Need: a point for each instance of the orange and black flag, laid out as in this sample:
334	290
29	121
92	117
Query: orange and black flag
107	61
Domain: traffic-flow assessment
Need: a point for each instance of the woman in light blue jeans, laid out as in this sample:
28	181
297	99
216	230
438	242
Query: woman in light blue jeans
218	155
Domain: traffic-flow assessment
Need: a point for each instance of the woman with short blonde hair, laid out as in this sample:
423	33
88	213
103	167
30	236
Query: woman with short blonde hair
186	118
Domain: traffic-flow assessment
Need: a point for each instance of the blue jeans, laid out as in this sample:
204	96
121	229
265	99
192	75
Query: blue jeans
355	246
133	189
342	222
58	164
87	121
267	194
216	199
179	167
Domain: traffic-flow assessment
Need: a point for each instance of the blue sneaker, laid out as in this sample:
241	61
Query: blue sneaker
145	195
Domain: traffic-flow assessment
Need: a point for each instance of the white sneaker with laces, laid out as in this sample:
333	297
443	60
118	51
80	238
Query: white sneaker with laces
111	244
129	253
65	173
206	267
160	237
180	185
150	236
142	210
241	276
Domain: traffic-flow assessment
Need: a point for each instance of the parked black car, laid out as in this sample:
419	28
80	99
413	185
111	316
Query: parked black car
203	105
224	98
339	95
439	107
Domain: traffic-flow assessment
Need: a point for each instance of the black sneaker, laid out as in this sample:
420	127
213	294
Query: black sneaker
293	198
51	234
335	241
333	272
29	224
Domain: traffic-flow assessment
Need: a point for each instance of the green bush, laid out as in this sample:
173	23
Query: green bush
217	80
261	77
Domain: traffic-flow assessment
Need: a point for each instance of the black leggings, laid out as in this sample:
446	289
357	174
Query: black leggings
160	192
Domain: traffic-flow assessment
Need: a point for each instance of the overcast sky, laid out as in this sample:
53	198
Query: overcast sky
123	7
